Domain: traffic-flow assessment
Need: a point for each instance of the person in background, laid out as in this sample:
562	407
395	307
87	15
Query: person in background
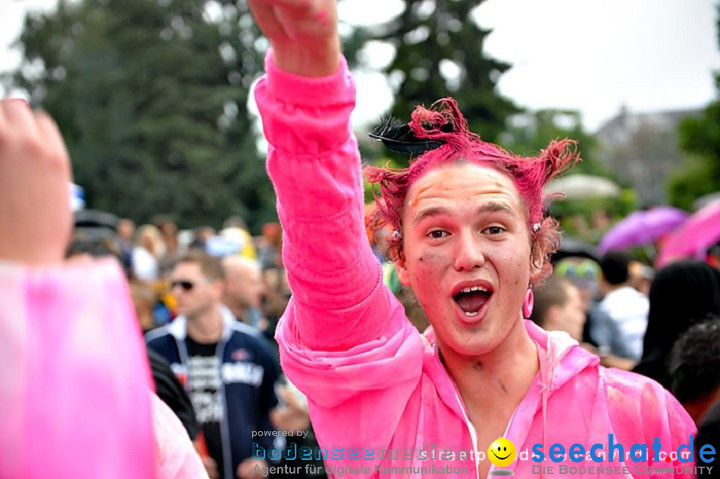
292	415
682	294
235	228
124	242
641	276
694	368
600	334
270	246
695	380
244	289
558	307
144	300
626	307
169	231
149	248
201	235
227	368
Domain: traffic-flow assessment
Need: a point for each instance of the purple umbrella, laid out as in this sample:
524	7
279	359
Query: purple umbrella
642	227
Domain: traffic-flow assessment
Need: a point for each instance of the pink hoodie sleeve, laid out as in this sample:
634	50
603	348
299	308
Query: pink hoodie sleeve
642	410
344	338
74	386
313	160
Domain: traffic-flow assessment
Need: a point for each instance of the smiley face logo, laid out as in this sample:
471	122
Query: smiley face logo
501	452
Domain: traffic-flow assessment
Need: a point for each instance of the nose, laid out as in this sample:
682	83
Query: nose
468	254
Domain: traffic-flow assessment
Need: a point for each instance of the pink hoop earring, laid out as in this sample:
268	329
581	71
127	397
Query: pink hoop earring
528	304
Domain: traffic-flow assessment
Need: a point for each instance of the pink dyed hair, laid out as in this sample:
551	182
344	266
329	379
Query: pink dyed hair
528	174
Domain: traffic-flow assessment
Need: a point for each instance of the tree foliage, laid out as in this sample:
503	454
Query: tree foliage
151	97
439	53
700	138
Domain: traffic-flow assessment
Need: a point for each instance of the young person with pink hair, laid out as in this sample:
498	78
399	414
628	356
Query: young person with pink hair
471	238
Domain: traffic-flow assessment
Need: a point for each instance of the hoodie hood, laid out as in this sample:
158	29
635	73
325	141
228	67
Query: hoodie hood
561	357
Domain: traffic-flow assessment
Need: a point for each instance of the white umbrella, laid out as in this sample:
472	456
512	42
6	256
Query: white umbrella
582	186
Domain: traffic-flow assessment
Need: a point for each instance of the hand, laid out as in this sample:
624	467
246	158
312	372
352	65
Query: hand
35	216
293	416
251	468
303	34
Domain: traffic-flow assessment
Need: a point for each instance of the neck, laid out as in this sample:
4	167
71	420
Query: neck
237	309
205	327
498	380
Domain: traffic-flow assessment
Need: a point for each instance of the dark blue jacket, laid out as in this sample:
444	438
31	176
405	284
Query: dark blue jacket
248	376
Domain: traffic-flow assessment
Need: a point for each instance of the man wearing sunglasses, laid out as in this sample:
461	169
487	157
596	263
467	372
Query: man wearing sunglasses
227	368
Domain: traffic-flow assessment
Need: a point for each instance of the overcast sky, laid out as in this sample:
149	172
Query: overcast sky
589	55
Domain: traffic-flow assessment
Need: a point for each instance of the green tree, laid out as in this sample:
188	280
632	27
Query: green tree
151	98
439	53
700	139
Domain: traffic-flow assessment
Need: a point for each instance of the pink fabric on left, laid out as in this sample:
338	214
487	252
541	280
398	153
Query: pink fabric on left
176	456
74	383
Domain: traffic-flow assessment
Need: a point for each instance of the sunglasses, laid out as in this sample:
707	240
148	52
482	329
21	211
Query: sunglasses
184	285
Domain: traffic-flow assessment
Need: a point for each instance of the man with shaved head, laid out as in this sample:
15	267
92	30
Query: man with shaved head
244	288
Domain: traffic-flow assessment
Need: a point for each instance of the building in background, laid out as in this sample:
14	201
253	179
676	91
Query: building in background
642	150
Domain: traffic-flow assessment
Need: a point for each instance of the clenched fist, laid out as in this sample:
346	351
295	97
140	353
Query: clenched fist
303	34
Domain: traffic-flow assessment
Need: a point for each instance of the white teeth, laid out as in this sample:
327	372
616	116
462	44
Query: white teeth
474	288
471	314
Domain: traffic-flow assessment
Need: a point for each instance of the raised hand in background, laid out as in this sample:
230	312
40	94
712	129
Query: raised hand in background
35	175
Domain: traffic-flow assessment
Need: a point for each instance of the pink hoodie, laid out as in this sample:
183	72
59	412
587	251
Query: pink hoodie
373	382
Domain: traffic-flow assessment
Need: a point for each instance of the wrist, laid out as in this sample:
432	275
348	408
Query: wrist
318	60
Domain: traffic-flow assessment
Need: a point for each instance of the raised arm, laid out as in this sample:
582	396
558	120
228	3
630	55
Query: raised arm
305	101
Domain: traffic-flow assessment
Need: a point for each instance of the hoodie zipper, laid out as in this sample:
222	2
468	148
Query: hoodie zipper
471	428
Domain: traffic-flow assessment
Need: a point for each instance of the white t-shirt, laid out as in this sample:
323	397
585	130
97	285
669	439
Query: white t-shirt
628	308
145	265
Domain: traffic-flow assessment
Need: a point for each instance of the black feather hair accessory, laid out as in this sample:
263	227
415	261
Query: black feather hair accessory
398	136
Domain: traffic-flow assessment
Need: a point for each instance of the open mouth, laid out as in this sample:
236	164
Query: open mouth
472	299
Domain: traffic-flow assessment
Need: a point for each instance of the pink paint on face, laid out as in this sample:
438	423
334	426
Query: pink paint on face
464	226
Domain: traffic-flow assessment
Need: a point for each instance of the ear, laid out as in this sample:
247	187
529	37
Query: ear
536	262
402	272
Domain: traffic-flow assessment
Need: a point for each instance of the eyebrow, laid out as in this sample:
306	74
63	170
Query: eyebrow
489	207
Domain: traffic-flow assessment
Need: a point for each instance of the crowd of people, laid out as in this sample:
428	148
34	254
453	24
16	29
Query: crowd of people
440	315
